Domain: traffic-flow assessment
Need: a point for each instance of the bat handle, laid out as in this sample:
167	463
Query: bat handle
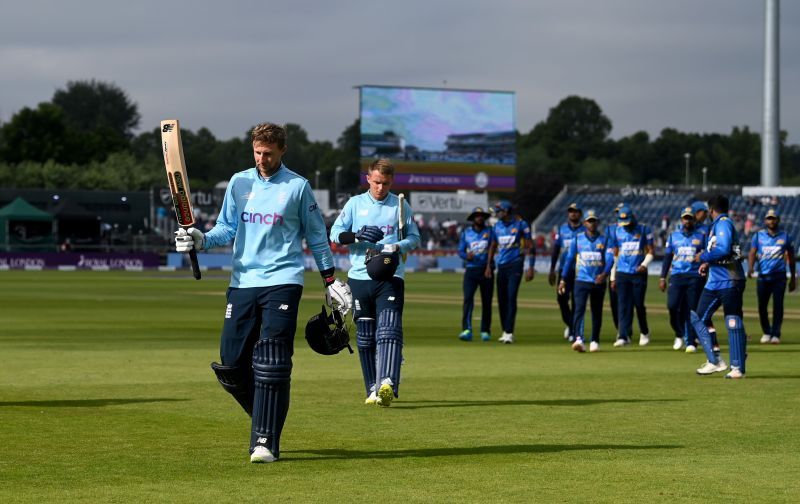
195	265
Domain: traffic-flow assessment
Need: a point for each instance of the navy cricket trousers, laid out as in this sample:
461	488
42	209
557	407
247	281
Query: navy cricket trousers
771	286
509	277
631	289
473	279
594	293
682	297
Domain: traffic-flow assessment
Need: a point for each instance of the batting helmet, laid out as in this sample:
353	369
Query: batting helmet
381	265
327	334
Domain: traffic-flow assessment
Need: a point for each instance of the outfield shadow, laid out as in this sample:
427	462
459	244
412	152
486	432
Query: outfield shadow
339	454
522	402
86	403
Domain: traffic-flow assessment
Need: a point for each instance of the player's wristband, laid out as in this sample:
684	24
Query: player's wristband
347	237
328	276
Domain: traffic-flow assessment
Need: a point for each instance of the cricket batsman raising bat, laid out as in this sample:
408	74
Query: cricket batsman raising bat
178	182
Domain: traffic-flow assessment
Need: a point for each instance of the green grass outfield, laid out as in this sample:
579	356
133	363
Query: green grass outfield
106	395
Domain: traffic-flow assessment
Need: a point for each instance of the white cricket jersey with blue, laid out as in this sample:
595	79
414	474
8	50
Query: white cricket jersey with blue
267	219
364	210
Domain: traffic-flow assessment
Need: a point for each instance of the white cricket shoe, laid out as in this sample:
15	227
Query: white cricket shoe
735	374
691	349
621	342
677	344
644	339
578	346
261	455
594	347
566	333
775	340
765	338
385	393
372	398
709	368
506	338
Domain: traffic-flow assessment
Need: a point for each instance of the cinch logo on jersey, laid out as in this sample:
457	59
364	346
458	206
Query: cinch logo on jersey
269	219
387	229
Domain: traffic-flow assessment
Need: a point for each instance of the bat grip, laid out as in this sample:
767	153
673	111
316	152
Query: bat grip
195	265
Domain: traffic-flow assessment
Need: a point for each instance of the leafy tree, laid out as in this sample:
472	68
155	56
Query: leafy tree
93	105
576	128
35	135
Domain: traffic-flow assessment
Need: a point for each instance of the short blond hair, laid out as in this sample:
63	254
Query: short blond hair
269	133
383	166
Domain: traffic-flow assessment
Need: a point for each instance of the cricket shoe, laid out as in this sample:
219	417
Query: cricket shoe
466	335
677	344
708	368
644	339
262	455
775	340
691	349
594	347
621	342
372	398
506	338
566	333
735	374
578	346
385	393
485	336
765	339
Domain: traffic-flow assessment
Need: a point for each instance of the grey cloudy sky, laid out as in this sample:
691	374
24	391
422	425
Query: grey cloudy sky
695	65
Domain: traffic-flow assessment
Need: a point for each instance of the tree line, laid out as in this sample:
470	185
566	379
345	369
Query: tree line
84	138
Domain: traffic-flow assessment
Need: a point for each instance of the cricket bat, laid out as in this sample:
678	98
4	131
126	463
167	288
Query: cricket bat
178	181
401	219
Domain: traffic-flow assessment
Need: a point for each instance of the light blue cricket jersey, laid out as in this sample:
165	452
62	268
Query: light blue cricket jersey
267	218
770	250
725	269
588	256
632	246
684	247
478	243
364	210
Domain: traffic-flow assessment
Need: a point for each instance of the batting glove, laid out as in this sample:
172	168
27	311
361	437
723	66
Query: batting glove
339	297
187	239
372	234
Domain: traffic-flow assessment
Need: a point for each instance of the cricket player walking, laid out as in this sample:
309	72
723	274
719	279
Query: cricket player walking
722	262
685	282
589	260
267	211
566	299
512	244
473	248
771	249
634	250
369	224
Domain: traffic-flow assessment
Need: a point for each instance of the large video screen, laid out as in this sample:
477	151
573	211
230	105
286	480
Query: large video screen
440	139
